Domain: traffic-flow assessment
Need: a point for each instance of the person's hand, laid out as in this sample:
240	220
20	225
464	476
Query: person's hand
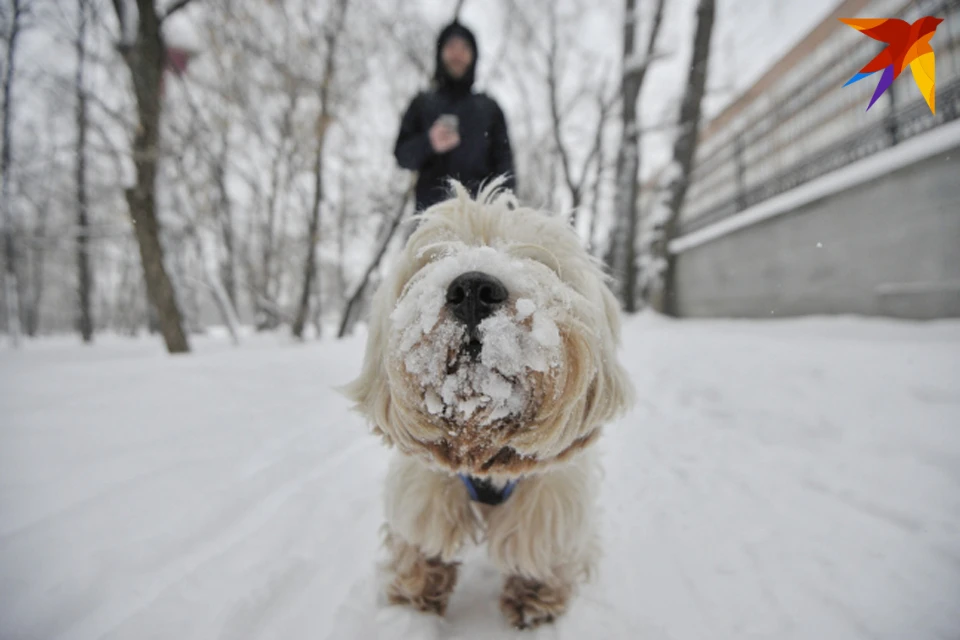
443	139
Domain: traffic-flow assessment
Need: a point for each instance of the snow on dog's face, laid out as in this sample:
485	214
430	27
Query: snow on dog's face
475	332
492	345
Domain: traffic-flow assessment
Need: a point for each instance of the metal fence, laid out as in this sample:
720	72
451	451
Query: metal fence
817	126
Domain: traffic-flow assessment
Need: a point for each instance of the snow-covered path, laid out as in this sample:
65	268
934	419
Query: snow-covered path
797	479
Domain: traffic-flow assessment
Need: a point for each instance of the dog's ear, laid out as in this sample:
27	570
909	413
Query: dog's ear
611	393
370	391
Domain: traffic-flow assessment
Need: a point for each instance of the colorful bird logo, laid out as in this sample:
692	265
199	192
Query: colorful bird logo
907	44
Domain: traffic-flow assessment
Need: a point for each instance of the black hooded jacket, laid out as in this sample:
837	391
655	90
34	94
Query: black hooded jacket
484	150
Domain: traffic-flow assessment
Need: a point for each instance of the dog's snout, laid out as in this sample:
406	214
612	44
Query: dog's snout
475	295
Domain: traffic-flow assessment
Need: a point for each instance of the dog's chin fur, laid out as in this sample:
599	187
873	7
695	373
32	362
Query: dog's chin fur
554	412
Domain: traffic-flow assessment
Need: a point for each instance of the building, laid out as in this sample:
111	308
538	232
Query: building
762	178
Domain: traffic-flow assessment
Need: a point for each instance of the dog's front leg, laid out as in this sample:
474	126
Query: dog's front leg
543	540
416	580
428	521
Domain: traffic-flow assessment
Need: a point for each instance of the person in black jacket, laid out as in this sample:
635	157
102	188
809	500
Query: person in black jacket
450	131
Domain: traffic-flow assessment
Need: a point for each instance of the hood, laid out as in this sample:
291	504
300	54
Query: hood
441	77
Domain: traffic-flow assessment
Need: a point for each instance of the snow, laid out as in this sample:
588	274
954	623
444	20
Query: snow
525	308
520	337
651	270
926	145
660	214
672	173
183	32
789	479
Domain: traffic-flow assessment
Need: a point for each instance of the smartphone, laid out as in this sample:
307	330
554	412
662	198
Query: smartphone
450	121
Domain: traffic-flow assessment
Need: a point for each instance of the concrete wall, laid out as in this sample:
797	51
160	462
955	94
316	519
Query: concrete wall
888	247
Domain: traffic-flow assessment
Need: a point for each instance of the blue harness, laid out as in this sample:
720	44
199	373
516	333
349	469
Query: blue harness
482	490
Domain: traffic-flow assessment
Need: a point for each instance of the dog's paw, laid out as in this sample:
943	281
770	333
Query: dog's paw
527	603
425	585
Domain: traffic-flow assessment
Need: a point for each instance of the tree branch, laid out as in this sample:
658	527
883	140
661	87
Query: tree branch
120	7
555	117
172	9
655	29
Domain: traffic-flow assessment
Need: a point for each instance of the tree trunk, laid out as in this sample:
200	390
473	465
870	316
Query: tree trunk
313	233
628	168
628	159
228	269
33	297
31	309
342	241
598	177
664	298
84	275
553	82
121	314
10	280
207	252
323	124
145	58
265	285
267	235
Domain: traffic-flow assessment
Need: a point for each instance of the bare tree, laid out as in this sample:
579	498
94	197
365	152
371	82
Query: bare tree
663	291
204	248
560	157
84	275
267	285
200	197
574	181
221	107
255	92
324	120
32	280
605	106
127	313
68	170
144	51
11	280
342	238
198	206
624	236
226	217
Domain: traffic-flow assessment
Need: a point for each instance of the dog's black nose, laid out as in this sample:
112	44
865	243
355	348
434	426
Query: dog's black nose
474	295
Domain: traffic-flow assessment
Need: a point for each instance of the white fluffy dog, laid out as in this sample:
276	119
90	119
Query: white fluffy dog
491	367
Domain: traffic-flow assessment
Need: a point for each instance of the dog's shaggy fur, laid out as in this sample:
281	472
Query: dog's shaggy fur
528	406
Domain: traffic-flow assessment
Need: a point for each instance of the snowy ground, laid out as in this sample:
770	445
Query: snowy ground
790	479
